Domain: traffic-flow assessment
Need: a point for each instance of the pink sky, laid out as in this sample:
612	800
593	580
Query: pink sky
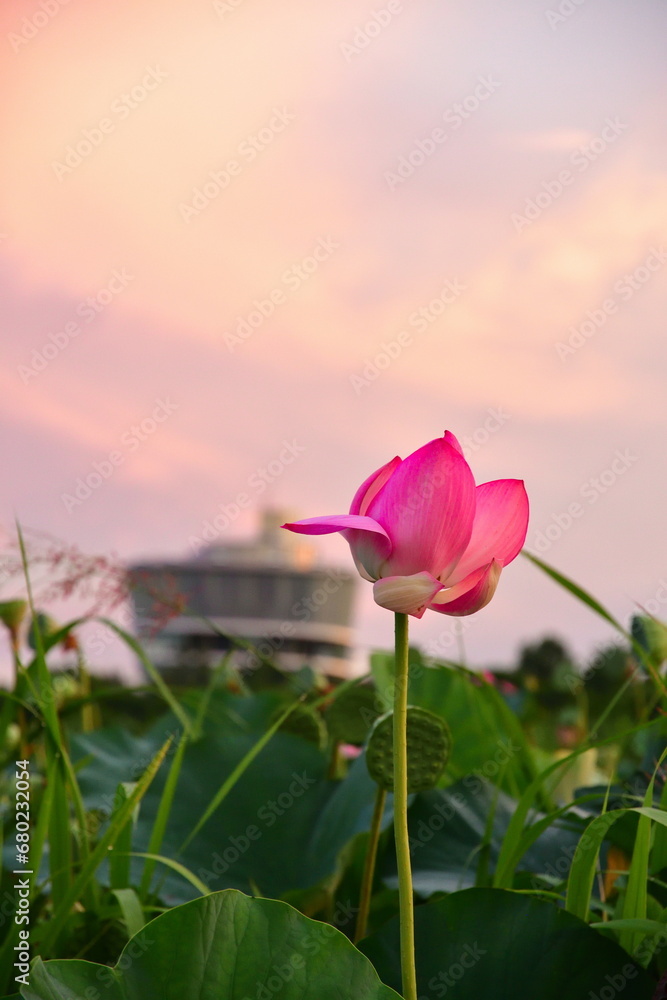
307	114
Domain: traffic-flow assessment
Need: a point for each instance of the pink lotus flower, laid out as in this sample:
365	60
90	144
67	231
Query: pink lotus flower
426	536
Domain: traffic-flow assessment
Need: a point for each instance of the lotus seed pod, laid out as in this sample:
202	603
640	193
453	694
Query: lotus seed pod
304	722
46	625
429	743
12	614
352	714
651	634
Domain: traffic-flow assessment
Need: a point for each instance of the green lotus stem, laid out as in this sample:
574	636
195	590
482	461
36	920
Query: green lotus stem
21	718
408	971
87	709
334	761
369	865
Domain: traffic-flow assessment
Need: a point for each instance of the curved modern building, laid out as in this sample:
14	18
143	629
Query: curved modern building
268	591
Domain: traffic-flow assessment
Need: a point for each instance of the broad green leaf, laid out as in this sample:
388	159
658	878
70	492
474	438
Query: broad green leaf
240	769
494	943
282	826
225	945
305	722
448	827
486	736
351	715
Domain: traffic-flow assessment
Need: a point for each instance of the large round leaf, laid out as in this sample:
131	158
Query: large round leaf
226	946
261	836
494	943
447	828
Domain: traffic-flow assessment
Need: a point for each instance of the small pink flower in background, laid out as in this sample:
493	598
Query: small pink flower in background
426	536
506	687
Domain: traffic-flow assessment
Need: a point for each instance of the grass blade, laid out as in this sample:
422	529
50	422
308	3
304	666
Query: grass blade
164	810
106	840
582	871
155	676
586	598
509	857
575	589
119	862
56	750
240	768
218	671
177	867
635	925
60	846
635	900
131	910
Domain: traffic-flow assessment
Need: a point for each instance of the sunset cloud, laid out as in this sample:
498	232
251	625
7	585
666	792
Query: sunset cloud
195	206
